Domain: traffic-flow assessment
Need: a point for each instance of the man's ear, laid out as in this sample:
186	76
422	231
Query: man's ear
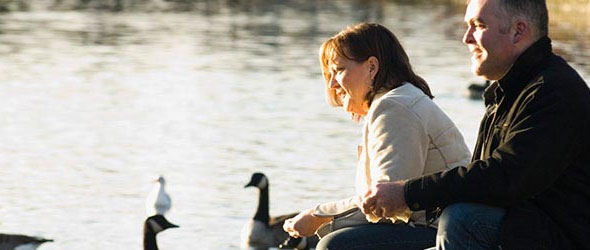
522	31
373	66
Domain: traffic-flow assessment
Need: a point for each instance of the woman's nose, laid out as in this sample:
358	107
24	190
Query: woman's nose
333	82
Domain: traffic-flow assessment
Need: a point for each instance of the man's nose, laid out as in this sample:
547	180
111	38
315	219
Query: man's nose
468	36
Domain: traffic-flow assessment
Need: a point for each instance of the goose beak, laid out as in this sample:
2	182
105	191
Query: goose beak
250	184
170	225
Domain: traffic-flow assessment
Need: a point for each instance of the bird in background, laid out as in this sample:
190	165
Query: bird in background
263	231
151	227
20	242
158	201
475	90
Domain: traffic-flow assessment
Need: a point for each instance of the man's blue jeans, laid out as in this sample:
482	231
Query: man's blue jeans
469	226
379	237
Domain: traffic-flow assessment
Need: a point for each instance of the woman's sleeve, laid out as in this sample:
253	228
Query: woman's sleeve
397	142
336	208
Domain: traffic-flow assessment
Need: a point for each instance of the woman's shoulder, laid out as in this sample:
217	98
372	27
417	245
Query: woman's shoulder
406	100
406	96
396	103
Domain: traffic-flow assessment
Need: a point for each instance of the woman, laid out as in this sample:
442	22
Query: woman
406	135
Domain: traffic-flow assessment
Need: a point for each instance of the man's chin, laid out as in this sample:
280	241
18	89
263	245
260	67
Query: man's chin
477	71
484	75
487	72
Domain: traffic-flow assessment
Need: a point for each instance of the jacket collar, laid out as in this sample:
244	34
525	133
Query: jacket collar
520	72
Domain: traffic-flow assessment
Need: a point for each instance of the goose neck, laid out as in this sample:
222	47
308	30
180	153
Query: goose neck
262	213
149	240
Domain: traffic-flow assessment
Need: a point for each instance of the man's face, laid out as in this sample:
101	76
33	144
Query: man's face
489	39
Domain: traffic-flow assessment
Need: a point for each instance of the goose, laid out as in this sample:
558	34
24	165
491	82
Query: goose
152	226
158	201
20	242
263	231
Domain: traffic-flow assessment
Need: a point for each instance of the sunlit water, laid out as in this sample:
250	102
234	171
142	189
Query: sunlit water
94	106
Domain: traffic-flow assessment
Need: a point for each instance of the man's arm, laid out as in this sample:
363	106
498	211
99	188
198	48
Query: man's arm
539	144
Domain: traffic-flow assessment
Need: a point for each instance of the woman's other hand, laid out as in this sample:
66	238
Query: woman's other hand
304	224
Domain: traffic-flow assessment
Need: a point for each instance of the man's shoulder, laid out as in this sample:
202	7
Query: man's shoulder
556	70
556	76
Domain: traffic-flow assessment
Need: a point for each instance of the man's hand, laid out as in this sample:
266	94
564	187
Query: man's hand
385	199
304	224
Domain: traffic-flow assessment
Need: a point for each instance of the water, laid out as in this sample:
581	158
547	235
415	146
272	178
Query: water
95	105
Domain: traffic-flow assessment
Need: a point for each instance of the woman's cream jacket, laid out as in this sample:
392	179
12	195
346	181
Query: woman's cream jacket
405	135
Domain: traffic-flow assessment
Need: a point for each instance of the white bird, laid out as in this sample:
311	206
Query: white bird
20	242
158	201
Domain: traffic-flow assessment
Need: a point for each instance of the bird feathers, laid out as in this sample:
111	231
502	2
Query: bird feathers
158	201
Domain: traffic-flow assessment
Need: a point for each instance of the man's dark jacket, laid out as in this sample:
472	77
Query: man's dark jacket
532	157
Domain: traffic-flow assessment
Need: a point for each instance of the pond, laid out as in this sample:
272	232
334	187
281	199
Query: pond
94	105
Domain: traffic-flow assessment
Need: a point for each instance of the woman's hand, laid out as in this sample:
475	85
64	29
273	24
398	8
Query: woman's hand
304	224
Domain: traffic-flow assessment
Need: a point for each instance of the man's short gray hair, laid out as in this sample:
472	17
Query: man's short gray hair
534	11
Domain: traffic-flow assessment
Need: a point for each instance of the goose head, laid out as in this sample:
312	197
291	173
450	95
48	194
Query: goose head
157	223
152	226
258	180
19	241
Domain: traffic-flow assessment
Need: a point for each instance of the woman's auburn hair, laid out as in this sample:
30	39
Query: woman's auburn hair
361	41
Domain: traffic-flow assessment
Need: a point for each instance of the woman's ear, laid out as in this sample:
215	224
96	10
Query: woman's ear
373	66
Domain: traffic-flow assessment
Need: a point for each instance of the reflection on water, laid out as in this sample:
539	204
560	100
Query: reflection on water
95	105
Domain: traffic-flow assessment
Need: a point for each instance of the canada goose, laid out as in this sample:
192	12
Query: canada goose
263	231
20	242
158	201
152	226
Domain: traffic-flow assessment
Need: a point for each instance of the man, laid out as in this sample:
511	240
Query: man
528	185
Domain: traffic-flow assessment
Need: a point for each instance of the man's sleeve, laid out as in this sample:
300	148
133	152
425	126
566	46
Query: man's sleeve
538	145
